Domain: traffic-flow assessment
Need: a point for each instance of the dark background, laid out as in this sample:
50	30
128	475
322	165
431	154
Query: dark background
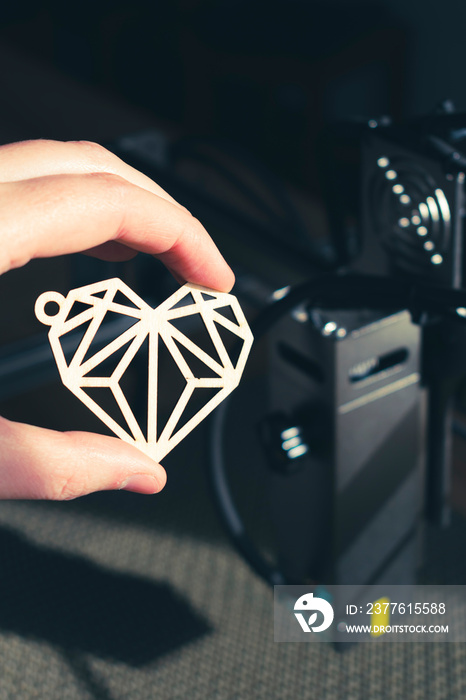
267	75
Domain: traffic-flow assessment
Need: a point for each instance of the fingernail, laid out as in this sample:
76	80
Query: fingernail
141	483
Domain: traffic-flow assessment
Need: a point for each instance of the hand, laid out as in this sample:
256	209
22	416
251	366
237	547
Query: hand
58	198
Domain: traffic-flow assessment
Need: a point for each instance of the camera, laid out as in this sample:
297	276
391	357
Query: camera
357	431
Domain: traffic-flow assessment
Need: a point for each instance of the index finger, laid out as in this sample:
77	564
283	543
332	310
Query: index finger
26	160
59	214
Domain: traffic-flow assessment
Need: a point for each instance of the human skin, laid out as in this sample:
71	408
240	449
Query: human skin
58	198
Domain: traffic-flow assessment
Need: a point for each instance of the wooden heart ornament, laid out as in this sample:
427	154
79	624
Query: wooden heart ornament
82	314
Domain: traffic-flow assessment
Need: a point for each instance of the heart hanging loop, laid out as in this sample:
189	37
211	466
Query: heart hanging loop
48	298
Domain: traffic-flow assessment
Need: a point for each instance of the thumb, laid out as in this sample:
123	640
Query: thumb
45	464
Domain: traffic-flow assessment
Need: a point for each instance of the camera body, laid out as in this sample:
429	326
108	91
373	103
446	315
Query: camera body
346	511
384	384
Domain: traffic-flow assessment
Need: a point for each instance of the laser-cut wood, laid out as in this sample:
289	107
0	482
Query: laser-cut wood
152	324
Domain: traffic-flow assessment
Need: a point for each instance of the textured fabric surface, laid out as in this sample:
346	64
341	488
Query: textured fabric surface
119	596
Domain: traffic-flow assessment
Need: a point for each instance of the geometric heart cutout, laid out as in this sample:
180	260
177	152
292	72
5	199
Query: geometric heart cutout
99	330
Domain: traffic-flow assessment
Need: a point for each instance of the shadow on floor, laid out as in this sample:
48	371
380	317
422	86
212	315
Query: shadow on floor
82	608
